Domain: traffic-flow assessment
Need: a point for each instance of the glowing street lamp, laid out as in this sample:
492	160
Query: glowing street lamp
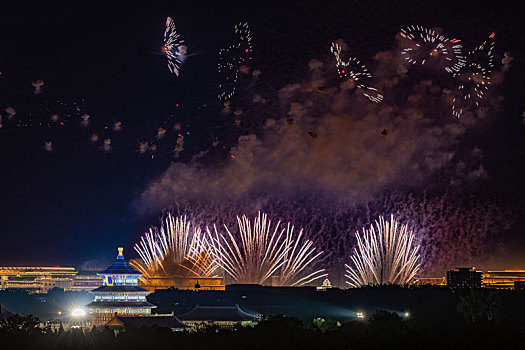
77	312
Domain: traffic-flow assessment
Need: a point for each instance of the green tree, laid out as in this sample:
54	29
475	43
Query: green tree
323	325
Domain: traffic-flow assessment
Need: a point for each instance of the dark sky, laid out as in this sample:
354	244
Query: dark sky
76	204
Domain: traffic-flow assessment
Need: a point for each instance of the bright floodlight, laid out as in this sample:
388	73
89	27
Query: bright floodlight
78	313
360	315
407	314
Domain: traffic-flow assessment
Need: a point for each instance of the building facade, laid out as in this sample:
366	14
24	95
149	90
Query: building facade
120	294
221	316
503	279
36	279
464	277
41	279
86	281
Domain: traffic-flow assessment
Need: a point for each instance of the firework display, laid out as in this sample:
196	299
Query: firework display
385	254
176	249
474	79
305	147
450	231
356	72
426	47
262	251
173	47
232	61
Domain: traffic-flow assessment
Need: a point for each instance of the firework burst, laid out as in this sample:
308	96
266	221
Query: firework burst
177	249
173	47
474	79
232	61
265	251
386	254
426	47
353	70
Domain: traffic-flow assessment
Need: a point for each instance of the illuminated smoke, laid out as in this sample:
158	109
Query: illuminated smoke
38	86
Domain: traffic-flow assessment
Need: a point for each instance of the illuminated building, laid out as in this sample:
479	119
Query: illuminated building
326	285
504	279
36	279
120	294
186	283
222	316
86	281
178	280
464	277
42	279
119	323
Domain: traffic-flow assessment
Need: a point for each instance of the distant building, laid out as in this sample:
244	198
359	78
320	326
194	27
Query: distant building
464	277
86	281
120	294
519	285
222	316
325	285
119	322
504	279
155	283
180	278
36	279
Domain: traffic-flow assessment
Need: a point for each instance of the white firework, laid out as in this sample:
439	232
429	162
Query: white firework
231	60
354	70
265	251
474	79
385	254
174	47
176	247
426	47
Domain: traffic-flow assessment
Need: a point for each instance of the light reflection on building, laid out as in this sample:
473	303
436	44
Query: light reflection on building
120	294
41	279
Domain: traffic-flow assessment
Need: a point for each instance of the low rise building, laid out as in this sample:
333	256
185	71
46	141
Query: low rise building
464	277
36	279
119	323
503	279
222	316
86	281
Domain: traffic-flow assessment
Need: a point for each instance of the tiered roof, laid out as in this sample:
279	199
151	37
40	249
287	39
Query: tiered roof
120	267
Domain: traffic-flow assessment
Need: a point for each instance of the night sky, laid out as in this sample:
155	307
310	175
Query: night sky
76	204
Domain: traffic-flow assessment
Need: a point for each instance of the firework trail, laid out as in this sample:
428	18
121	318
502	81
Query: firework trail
176	249
232	60
426	47
355	72
174	47
263	252
474	79
385	254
